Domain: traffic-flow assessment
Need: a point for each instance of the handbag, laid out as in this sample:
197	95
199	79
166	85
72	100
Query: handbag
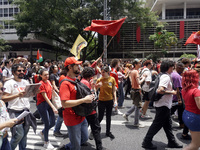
55	99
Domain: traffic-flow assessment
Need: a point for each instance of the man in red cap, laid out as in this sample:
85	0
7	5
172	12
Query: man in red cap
77	125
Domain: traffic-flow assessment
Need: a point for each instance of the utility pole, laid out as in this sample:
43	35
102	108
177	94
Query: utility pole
105	36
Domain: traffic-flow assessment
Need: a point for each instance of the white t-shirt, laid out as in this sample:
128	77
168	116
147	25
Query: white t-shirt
147	72
166	100
7	72
13	87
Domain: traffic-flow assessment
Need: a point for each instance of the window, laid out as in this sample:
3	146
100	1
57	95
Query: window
1	12
5	12
6	25
5	2
16	10
174	13
1	2
10	12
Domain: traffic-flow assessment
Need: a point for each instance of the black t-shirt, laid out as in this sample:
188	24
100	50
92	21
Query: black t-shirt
55	77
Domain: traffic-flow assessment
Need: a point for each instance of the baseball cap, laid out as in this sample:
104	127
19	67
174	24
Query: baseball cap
72	60
137	60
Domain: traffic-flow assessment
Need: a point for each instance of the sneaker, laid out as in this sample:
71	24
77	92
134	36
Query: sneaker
48	146
91	136
110	135
58	134
41	135
148	145
186	137
139	125
125	117
146	116
119	112
174	145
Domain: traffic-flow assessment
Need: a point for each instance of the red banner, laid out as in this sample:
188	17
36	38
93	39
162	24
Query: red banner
182	29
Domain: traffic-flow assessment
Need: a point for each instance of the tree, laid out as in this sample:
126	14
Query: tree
163	40
63	20
190	56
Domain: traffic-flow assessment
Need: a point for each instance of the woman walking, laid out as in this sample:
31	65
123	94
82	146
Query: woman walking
191	114
45	107
107	97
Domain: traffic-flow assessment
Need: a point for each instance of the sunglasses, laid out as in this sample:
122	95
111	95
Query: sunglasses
21	70
2	89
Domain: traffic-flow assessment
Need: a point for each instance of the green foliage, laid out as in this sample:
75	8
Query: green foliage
190	56
4	46
63	20
153	56
163	39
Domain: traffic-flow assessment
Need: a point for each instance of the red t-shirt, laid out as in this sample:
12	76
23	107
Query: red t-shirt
190	104
45	87
61	78
84	81
114	74
68	92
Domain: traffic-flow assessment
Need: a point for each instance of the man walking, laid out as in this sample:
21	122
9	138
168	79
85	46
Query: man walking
163	106
77	125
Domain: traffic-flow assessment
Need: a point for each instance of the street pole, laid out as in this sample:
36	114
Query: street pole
105	36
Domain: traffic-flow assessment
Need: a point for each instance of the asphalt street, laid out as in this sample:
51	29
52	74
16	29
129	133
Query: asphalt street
127	137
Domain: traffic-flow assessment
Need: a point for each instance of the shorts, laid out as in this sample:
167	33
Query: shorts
191	120
145	96
136	97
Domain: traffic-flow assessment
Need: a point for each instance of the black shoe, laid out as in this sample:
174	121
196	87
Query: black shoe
110	135
186	137
174	145
58	134
84	144
62	148
148	145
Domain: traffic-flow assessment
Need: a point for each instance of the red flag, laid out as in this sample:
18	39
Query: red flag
138	34
194	38
106	27
38	54
182	29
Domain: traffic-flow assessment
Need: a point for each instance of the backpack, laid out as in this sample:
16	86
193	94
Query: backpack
83	109
153	95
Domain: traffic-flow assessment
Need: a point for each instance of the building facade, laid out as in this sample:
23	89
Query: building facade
182	18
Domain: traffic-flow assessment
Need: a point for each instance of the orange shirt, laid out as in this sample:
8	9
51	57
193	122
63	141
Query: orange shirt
68	92
45	87
134	75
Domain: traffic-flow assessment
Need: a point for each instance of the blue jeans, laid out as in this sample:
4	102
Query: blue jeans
48	118
58	124
78	135
20	137
5	145
121	95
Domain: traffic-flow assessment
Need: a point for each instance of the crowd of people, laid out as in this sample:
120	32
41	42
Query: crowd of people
109	85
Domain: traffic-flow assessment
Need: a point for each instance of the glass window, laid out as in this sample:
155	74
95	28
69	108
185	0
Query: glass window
5	2
10	1
1	12
6	25
5	12
10	12
16	10
1	2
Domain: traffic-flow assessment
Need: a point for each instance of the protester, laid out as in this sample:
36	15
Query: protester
191	114
145	88
17	104
163	106
5	123
135	92
107	97
76	125
7	72
92	119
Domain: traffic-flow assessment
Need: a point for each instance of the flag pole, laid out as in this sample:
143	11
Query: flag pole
107	46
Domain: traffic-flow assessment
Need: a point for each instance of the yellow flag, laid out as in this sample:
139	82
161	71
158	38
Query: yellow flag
79	44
